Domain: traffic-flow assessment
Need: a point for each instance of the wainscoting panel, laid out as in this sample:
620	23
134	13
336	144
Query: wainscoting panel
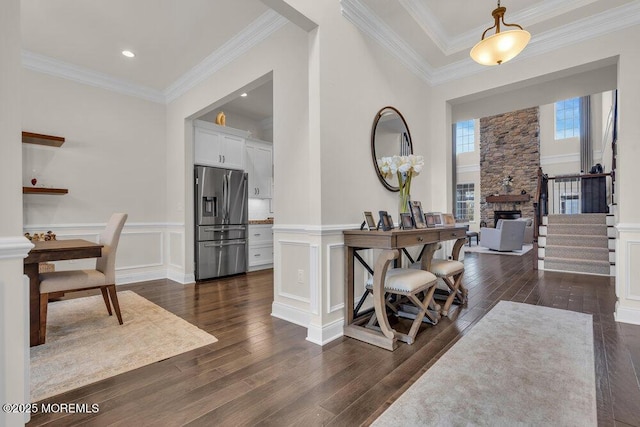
140	249
176	249
294	282
147	251
335	273
633	269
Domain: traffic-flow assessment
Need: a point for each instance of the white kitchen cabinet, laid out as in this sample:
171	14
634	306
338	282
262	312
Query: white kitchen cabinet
259	167
260	246
218	146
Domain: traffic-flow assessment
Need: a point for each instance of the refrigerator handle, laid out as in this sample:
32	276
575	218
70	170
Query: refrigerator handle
225	196
228	194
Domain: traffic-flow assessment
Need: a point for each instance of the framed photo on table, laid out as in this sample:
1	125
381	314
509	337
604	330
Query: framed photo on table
417	214
437	219
406	222
385	221
370	223
448	220
431	220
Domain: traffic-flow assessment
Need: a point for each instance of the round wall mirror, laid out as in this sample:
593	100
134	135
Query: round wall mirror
389	137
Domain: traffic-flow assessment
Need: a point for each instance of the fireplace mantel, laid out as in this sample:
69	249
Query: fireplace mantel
509	198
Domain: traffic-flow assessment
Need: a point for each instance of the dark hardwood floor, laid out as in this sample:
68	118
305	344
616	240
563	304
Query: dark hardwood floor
262	370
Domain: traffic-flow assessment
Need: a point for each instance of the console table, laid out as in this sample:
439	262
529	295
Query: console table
392	243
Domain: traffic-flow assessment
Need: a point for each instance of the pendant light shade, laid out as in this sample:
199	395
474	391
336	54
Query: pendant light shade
501	46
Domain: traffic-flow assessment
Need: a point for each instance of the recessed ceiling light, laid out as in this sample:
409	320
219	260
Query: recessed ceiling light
128	53
244	95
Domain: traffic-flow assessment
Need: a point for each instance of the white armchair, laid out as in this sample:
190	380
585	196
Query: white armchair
528	230
507	236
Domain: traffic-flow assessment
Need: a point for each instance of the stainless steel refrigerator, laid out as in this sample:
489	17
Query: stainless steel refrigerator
221	222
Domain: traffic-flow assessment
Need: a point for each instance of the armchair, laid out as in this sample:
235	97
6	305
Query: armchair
507	236
528	230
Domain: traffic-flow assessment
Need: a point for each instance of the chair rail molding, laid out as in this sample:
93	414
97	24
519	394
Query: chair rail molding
14	247
145	248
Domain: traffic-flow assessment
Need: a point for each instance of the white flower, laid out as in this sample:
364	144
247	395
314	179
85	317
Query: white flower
408	166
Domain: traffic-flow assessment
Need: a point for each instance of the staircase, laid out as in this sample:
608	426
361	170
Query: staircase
583	243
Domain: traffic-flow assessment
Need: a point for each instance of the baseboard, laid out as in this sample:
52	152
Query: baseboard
290	314
326	334
143	276
180	277
627	315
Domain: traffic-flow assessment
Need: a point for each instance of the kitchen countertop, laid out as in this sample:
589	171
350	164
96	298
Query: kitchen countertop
261	221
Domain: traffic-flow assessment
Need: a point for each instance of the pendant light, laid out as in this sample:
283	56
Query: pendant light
501	46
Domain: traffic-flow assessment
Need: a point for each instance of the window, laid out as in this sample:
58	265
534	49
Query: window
465	196
465	137
568	118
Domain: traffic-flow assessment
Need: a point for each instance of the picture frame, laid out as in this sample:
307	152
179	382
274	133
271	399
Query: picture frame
385	223
417	214
406	222
437	218
448	220
370	223
431	220
390	218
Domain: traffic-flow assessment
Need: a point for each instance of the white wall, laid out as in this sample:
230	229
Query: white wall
619	45
350	79
14	290
113	160
283	56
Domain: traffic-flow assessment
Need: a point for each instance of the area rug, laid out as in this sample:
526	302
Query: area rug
85	345
519	365
482	250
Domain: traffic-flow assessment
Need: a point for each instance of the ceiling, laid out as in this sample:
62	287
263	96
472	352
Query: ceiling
171	38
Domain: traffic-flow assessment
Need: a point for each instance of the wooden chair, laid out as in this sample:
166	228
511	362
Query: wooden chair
406	285
103	277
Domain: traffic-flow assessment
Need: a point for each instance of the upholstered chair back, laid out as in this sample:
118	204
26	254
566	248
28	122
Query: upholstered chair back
110	238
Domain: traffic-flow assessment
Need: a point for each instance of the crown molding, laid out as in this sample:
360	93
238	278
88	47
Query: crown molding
602	24
533	15
54	67
259	30
256	32
430	24
370	24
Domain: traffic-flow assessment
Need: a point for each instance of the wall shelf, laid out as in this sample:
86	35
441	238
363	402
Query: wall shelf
42	190
508	198
39	139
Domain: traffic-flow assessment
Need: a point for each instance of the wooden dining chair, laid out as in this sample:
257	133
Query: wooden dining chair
102	277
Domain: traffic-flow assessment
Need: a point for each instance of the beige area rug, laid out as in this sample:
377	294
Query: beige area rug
85	345
520	365
481	250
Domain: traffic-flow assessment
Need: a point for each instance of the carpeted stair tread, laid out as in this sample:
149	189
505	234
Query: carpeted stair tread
578	229
584	240
577	243
577	219
577	265
576	252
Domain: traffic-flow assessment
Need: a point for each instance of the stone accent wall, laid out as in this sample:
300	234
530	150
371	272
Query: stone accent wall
509	145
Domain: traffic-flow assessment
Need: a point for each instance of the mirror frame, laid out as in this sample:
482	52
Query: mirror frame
373	144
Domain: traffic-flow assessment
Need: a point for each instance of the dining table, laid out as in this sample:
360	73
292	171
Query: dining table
45	251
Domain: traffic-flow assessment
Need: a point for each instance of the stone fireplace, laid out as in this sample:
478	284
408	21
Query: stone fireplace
509	146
